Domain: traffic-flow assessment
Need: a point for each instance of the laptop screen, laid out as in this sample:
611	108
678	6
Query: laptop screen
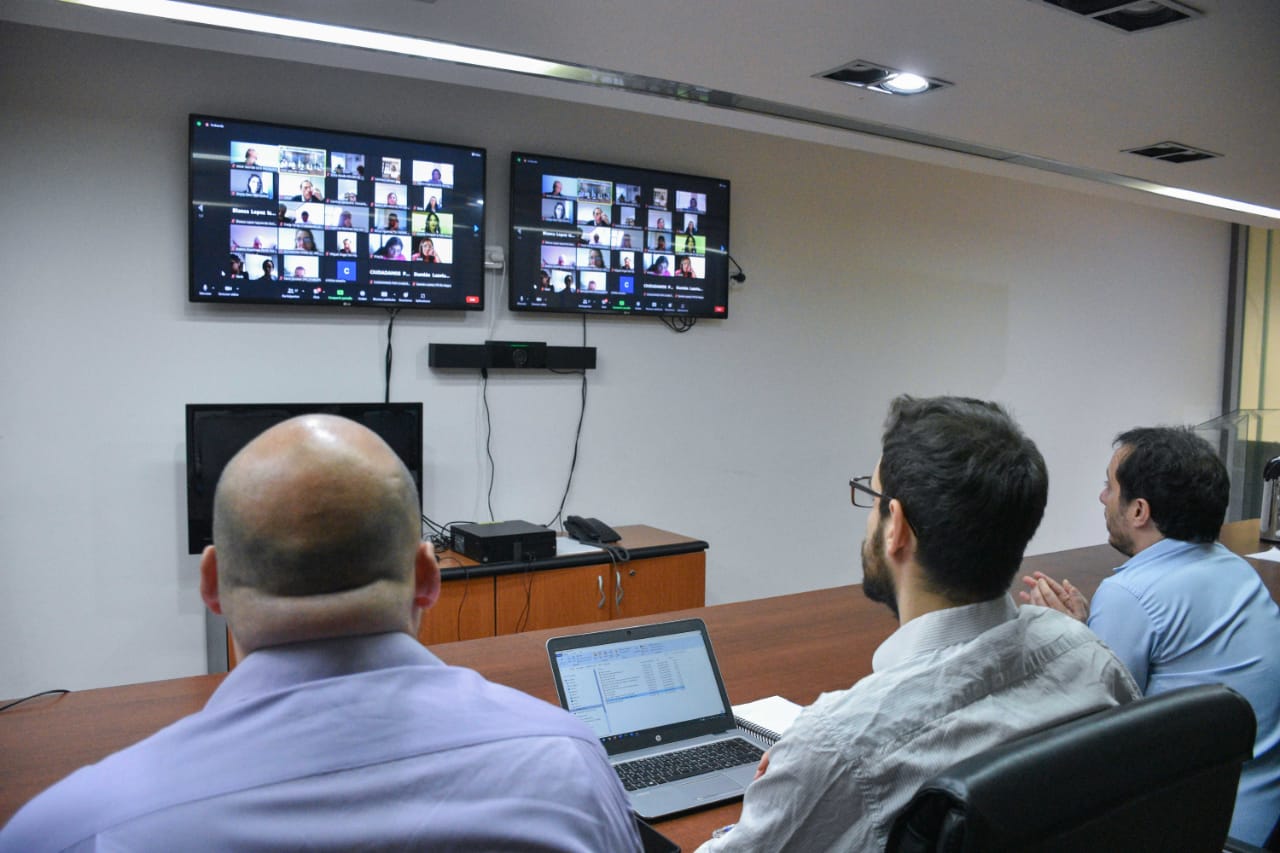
636	684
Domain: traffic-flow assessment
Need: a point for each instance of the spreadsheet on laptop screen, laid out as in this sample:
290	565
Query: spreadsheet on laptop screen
640	684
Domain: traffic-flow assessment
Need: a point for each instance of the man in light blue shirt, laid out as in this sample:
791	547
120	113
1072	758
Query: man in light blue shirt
1183	609
337	731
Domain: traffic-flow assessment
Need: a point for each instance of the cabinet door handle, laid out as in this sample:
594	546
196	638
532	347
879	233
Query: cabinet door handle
617	588
600	584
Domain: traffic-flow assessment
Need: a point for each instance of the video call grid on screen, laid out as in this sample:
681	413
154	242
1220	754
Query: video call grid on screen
290	215
615	239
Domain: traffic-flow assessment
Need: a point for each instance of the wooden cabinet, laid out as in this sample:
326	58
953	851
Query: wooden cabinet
553	598
659	584
464	611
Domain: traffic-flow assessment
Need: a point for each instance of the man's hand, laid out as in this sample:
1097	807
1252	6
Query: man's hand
1063	597
762	766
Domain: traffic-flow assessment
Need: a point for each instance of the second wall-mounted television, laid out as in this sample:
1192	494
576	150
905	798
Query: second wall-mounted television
597	238
286	215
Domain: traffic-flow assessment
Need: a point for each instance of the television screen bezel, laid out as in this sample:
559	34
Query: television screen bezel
583	169
474	290
200	506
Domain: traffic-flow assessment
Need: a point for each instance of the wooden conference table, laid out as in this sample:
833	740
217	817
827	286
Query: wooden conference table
797	646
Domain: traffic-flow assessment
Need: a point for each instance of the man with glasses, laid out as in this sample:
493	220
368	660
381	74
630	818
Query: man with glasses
1183	609
957	494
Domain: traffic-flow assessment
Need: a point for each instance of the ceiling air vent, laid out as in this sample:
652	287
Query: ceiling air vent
1133	16
1172	152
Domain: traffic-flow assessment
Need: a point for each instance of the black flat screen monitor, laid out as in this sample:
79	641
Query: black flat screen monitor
285	215
216	432
598	238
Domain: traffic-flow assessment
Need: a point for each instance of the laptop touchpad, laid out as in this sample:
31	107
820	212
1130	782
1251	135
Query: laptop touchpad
707	787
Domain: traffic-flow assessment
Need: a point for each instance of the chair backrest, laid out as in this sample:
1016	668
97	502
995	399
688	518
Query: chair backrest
1157	774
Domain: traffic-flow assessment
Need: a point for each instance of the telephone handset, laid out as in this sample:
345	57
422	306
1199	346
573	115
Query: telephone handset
589	529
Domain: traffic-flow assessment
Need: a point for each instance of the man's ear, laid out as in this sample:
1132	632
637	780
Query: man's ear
426	577
899	538
1139	512
209	580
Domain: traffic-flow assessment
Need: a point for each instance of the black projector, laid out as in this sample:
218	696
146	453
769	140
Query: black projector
503	541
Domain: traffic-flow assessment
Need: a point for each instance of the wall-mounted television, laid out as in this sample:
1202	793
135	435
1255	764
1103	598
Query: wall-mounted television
285	215
217	431
605	239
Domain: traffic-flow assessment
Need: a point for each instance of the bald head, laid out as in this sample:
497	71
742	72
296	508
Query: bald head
316	533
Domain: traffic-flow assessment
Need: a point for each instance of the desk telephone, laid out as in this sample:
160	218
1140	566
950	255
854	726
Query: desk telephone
589	529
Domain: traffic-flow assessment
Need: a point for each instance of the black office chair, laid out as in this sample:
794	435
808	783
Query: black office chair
1158	775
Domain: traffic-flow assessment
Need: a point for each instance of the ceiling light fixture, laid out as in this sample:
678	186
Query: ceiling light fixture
882	78
905	84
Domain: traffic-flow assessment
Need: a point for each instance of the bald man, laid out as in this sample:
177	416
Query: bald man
337	730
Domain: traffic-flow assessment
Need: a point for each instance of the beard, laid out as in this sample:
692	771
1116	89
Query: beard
877	582
1118	538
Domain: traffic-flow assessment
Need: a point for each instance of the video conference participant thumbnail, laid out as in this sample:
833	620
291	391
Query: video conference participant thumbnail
557	210
437	174
688	266
559	186
302	188
691	245
343	243
626	194
658	264
346	216
559	255
430	198
253	183
387	247
594	214
592	258
433	250
308	214
253	237
342	164
390	195
391	219
690	201
301	266
430	222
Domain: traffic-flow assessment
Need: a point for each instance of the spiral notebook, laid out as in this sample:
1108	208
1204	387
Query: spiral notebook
767	718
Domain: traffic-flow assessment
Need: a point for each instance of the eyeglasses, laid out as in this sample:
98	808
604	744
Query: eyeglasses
861	493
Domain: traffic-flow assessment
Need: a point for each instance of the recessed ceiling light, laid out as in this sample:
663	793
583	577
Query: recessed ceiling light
905	83
881	78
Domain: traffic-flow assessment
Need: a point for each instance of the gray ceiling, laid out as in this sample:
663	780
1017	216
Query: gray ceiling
1065	92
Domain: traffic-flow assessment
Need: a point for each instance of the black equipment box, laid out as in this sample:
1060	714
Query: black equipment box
504	541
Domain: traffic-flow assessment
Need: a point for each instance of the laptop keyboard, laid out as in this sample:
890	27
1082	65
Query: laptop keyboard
683	763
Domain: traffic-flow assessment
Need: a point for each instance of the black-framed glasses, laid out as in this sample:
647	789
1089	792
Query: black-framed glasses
861	493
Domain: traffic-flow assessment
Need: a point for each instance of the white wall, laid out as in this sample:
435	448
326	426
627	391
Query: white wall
867	276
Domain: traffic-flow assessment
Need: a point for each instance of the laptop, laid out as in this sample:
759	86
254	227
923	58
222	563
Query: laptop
654	696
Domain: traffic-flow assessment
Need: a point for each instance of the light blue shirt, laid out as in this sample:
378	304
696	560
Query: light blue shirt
366	743
946	685
1182	613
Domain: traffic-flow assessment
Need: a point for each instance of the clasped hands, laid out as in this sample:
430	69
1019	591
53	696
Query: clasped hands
1047	592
